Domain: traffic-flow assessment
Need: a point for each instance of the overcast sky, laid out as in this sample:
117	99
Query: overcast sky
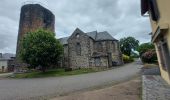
121	18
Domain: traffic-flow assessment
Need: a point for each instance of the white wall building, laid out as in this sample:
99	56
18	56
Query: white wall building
3	65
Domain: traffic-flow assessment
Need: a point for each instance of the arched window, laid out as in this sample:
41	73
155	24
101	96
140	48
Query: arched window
78	49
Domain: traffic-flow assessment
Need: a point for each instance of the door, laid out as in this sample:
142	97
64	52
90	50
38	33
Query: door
97	62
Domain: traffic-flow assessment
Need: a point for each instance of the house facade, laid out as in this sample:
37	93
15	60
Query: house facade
159	14
6	64
92	49
3	65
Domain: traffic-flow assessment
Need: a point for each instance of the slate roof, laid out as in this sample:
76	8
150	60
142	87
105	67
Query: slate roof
97	36
104	36
64	40
92	34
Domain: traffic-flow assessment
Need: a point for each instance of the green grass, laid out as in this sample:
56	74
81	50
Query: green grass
54	73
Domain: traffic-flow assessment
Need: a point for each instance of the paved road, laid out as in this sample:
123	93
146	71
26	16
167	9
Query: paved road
43	88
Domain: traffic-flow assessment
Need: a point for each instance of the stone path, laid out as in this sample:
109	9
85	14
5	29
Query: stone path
155	88
45	88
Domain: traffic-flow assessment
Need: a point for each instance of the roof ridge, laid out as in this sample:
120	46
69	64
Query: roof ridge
91	32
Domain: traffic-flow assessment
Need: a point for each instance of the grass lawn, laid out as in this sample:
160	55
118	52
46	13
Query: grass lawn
54	73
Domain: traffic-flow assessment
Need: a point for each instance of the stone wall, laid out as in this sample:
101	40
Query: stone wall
75	60
65	59
103	62
33	17
117	55
110	48
90	53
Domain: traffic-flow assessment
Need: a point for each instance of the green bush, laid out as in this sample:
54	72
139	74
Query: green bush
145	47
40	49
149	56
127	59
131	59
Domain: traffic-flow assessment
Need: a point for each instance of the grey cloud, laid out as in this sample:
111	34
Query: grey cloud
121	18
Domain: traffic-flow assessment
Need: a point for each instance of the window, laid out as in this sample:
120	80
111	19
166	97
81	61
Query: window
99	47
154	10
78	49
161	57
166	54
77	35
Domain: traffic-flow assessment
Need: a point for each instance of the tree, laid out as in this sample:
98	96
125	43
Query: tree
40	48
145	47
127	44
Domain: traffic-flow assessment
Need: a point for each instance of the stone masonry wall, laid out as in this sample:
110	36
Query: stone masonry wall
33	17
78	61
65	59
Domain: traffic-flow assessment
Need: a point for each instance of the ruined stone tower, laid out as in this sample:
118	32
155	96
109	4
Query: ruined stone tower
33	17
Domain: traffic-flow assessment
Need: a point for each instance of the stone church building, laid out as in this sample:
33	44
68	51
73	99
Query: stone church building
92	49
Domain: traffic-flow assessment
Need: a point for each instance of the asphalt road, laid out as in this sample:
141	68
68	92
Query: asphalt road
44	88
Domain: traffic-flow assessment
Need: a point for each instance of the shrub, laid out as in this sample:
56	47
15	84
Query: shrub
40	49
131	59
149	56
127	59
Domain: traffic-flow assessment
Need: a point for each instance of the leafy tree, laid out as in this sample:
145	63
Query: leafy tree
40	49
145	47
127	44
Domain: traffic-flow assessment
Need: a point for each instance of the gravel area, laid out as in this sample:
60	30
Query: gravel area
130	90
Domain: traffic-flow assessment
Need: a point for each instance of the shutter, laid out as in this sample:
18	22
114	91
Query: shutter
154	10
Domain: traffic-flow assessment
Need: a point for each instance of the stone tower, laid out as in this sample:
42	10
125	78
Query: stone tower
33	17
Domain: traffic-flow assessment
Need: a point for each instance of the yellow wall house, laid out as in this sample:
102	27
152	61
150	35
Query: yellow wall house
159	14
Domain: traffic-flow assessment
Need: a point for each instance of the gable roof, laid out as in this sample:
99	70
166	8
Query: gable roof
104	36
96	36
100	36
